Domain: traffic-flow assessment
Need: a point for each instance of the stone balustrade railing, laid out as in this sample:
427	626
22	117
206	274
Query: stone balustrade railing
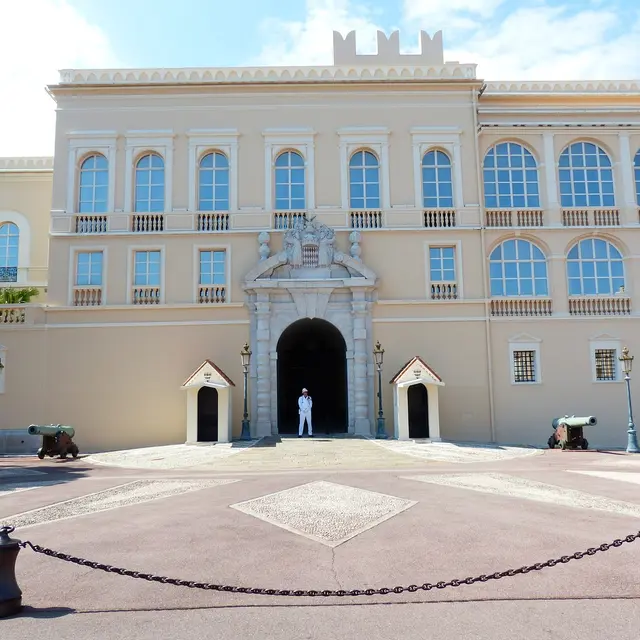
503	307
600	306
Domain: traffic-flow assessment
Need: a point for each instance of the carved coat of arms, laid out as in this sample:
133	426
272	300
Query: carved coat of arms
309	244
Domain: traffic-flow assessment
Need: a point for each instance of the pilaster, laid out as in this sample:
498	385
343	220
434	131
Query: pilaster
359	312
262	426
552	205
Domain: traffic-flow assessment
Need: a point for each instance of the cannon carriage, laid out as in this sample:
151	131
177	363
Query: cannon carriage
568	432
57	440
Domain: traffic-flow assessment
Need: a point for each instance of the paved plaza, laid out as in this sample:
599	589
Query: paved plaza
326	513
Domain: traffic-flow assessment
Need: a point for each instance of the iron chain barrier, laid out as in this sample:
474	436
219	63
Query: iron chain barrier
325	593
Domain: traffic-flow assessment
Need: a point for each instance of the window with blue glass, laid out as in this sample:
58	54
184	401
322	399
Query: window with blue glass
9	245
213	267
518	268
437	183
594	267
89	269
585	176
94	185
636	171
442	264
213	183
290	182
364	180
147	269
150	184
510	177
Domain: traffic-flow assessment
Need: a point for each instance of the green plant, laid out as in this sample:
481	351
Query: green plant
11	295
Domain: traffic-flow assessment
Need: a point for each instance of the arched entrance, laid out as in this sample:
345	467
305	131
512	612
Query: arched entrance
418	410
207	414
312	353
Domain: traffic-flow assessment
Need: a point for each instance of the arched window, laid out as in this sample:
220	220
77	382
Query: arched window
518	268
290	183
150	183
364	181
437	184
510	177
636	170
213	185
94	184
585	176
9	243
594	267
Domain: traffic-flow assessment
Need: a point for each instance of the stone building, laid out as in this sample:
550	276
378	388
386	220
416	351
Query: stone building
486	234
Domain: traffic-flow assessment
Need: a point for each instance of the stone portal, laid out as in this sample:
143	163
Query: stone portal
310	279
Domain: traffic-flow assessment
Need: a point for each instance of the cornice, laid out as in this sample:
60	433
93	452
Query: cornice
27	163
562	86
262	75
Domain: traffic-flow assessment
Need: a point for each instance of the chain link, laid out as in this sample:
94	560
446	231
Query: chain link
325	593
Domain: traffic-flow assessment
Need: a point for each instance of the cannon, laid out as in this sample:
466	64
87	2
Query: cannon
568	432
57	440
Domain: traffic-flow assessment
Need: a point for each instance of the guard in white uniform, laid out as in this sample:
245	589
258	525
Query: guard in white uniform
304	409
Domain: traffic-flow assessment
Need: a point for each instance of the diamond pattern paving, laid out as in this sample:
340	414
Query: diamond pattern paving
522	488
121	496
325	512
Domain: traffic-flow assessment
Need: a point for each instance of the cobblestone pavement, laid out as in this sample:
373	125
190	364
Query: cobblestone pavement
290	453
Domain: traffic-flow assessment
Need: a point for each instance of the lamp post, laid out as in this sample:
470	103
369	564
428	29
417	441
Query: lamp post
245	355
378	354
632	438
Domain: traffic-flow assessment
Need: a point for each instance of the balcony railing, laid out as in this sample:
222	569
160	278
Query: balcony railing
145	295
514	218
600	306
12	314
366	219
283	220
505	307
591	217
92	224
147	222
439	218
444	291
87	296
212	294
213	222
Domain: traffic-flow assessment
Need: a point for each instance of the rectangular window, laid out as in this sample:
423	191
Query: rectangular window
213	267
606	364
146	269
89	269
524	366
442	264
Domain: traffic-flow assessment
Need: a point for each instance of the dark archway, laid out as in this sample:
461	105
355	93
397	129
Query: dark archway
208	414
418	401
313	354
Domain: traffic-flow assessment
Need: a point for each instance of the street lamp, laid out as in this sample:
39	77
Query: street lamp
245	355
378	354
632	438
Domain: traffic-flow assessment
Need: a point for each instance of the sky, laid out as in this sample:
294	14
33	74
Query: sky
508	39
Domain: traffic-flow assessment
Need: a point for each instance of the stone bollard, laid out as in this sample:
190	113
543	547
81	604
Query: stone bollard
10	594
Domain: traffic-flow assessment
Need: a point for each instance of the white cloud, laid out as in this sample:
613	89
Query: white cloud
444	14
38	38
310	42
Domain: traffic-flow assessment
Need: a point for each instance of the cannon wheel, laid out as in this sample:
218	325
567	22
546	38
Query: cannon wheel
563	445
75	451
551	442
585	443
41	453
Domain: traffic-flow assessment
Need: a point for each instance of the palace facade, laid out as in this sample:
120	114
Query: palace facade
486	234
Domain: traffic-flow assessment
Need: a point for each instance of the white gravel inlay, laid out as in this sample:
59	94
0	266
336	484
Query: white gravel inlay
457	452
170	456
623	476
514	487
123	495
325	512
17	487
9	472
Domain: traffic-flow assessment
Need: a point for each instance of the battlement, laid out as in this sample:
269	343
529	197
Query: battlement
431	51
